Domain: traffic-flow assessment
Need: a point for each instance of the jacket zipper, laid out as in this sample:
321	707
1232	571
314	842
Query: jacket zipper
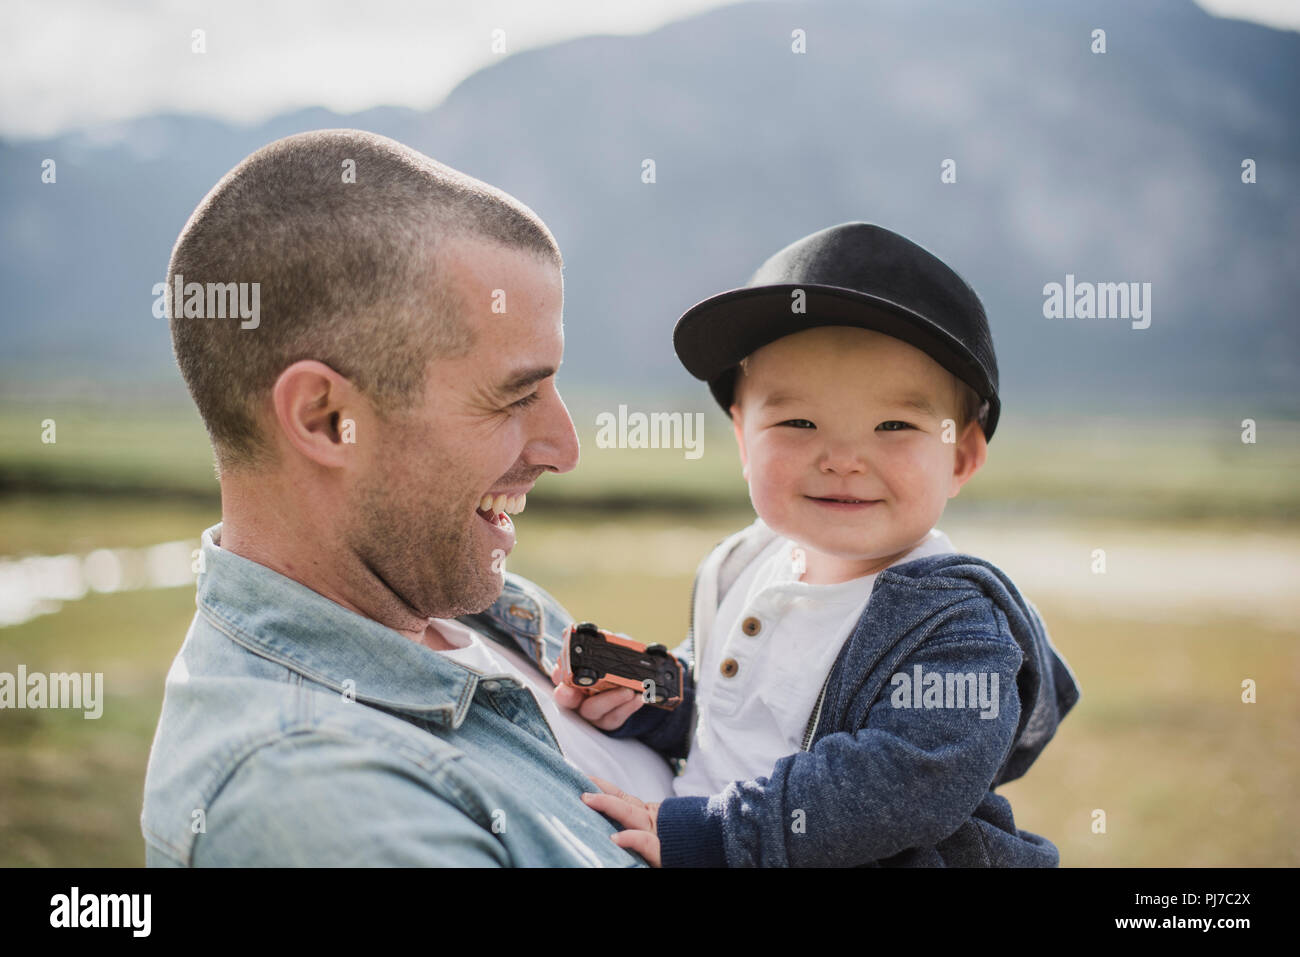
815	718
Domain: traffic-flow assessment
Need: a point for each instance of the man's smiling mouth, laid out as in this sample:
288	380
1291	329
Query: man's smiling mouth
495	509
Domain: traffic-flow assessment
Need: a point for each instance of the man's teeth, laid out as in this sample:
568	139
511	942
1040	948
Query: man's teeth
510	504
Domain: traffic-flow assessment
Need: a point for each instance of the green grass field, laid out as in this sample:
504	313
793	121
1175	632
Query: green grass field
1185	772
1116	466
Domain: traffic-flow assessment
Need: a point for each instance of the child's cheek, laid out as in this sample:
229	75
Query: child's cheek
772	486
915	474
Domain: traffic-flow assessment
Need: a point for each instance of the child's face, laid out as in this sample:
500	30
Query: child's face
831	414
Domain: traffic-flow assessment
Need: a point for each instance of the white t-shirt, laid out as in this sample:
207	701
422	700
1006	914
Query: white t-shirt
778	638
631	765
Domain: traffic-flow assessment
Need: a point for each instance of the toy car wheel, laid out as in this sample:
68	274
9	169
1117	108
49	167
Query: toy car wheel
656	649
585	677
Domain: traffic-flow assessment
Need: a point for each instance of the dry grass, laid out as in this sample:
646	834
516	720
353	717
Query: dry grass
1186	773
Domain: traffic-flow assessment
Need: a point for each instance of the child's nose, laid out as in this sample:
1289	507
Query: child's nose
842	457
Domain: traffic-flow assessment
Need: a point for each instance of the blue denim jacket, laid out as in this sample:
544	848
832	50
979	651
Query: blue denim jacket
296	732
878	784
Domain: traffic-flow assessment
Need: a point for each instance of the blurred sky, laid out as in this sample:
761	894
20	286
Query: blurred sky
72	63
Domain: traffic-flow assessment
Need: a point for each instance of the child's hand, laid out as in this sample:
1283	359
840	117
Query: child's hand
606	710
640	819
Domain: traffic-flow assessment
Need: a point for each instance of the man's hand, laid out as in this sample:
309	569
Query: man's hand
639	818
606	710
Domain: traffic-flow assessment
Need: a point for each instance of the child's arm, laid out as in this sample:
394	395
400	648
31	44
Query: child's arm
668	732
619	712
909	778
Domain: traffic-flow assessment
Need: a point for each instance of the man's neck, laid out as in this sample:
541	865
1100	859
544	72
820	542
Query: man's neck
267	529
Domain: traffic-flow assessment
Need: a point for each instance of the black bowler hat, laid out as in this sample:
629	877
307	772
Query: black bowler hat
855	274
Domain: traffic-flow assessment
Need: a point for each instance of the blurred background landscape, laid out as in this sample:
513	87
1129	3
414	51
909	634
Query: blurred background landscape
1114	168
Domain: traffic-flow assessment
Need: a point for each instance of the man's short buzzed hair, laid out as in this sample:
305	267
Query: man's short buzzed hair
346	273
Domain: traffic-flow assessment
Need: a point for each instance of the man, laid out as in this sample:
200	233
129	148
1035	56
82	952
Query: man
373	425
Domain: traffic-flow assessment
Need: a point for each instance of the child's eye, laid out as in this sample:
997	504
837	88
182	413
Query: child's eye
894	422
526	401
798	423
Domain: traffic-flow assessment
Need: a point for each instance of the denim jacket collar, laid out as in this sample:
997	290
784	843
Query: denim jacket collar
285	621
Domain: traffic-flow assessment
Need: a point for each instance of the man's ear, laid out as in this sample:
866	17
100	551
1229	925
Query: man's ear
738	424
317	412
971	452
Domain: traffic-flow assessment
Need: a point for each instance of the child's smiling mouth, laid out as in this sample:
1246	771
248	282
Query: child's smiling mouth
843	503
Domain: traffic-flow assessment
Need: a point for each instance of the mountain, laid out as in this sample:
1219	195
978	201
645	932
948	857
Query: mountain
1115	167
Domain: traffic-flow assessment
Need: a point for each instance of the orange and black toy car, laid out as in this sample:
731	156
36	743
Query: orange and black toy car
595	660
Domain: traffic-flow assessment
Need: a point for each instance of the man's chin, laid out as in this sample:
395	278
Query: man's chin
470	599
489	597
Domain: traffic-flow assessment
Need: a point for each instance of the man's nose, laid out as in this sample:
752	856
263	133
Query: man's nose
556	444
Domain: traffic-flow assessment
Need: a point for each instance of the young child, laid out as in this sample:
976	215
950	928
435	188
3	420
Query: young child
857	689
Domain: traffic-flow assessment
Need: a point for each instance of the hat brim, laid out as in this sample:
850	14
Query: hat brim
714	335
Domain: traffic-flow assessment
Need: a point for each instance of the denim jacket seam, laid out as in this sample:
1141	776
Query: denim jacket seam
163	845
269	741
232	766
547	608
367	731
304	712
463	701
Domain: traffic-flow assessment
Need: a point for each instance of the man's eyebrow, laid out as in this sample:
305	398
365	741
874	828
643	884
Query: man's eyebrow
778	398
522	380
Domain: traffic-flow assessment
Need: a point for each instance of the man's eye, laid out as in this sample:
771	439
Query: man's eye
798	423
526	401
900	426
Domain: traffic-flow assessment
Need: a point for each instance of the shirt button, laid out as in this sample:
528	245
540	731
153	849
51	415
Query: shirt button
729	668
751	626
490	686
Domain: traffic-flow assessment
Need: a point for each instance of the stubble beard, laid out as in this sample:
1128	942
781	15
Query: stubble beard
423	551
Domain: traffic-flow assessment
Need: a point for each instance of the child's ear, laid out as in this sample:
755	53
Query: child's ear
738	424
971	452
